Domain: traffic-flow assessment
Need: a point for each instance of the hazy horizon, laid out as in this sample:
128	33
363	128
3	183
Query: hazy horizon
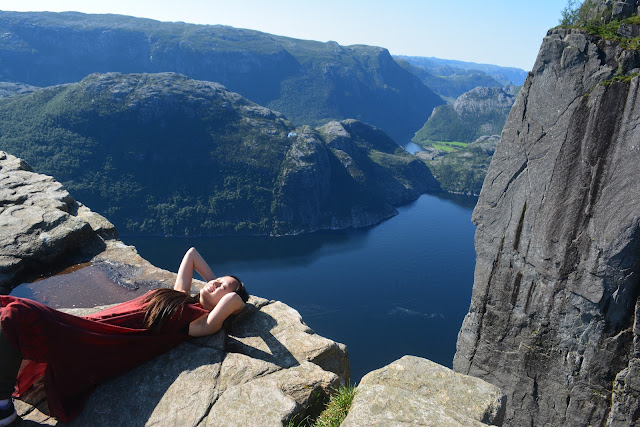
492	32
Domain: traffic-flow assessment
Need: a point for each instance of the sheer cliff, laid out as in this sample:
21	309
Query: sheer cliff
554	316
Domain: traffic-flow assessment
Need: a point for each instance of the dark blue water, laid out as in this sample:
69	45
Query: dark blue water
401	287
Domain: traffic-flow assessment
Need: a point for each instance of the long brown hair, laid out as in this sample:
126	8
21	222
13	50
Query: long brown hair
161	306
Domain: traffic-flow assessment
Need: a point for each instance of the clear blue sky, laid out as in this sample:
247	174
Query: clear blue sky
501	32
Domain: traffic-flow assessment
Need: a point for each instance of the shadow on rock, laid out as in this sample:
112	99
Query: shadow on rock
253	337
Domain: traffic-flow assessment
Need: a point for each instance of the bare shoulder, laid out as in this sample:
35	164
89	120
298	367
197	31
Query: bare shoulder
234	301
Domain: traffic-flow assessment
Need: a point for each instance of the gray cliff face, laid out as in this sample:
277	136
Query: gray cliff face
554	312
615	9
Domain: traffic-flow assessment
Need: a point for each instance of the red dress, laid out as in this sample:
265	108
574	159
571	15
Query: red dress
76	353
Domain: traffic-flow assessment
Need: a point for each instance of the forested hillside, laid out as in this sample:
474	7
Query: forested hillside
165	154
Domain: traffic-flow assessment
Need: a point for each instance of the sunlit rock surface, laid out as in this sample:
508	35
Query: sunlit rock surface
417	392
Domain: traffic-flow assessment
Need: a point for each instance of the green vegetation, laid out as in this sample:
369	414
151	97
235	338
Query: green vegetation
623	79
308	81
454	143
459	138
337	408
479	112
577	13
462	171
164	154
597	21
447	146
444	148
335	412
445	125
148	156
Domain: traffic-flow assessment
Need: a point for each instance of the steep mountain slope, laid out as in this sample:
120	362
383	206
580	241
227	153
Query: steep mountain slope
165	154
478	112
310	82
555	312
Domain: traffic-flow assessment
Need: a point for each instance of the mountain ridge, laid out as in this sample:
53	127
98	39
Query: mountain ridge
330	81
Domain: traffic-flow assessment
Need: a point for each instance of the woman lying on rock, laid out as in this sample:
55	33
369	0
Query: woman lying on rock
74	354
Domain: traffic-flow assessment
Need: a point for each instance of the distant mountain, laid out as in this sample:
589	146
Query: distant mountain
310	82
504	75
460	139
478	112
165	154
450	82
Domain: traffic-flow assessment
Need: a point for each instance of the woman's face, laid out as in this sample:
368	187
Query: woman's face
214	290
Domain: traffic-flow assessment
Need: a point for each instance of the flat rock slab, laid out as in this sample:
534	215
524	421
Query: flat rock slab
41	225
417	392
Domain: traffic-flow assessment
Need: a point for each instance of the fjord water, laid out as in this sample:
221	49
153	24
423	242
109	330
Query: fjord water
401	287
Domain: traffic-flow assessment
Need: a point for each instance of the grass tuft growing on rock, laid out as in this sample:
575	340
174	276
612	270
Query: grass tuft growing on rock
334	413
624	79
337	408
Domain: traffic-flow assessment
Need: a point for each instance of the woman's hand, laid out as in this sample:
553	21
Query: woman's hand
211	323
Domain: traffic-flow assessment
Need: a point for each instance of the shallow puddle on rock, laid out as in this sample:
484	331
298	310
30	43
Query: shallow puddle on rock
80	286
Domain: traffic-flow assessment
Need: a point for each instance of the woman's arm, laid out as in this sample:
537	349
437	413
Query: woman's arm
211	323
192	260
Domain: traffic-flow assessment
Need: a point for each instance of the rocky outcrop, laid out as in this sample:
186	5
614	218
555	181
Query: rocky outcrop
459	139
614	9
267	368
9	89
342	175
41	225
416	391
554	314
478	112
484	100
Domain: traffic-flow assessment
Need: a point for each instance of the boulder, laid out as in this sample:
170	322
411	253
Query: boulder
416	391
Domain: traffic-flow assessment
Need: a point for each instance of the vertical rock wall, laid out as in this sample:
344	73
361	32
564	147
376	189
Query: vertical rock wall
555	304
